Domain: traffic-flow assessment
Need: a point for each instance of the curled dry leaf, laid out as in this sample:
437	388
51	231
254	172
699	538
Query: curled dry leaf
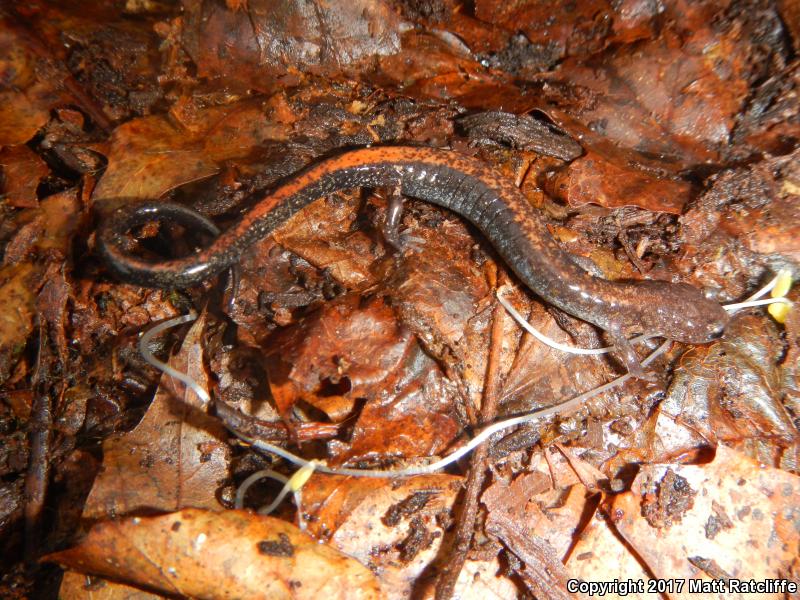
211	556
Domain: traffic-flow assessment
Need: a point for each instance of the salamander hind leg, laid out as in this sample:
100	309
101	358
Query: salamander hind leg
394	214
398	241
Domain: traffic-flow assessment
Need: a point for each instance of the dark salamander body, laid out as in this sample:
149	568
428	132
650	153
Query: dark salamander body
469	188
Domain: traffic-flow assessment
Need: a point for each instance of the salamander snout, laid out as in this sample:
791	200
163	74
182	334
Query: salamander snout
699	320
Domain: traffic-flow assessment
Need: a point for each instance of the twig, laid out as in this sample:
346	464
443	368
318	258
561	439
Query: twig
38	473
465	527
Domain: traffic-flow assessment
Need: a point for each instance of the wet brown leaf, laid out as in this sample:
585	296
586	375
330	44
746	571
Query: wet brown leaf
30	85
20	118
581	28
77	586
150	156
396	530
540	375
595	179
739	509
267	39
771	122
674	97
729	393
386	351
22	170
746	220
208	555
429	67
547	501
176	457
354	349
324	236
440	291
309	258
28	258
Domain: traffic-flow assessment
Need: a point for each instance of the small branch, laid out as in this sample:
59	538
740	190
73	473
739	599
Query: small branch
465	527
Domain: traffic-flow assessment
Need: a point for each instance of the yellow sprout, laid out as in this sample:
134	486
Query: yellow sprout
779	310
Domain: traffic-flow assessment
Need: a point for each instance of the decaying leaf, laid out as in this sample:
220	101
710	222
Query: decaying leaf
354	351
153	155
655	140
175	458
41	242
22	171
739	510
210	555
728	394
397	530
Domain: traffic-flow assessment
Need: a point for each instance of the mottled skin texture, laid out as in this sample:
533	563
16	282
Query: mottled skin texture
469	188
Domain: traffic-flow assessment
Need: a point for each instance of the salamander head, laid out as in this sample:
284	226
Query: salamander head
682	313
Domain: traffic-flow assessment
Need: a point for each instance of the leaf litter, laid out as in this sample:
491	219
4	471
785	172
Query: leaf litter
654	143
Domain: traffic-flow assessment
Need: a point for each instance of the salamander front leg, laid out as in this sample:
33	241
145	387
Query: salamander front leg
625	352
394	213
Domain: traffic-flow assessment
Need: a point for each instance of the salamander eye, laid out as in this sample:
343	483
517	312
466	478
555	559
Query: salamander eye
715	330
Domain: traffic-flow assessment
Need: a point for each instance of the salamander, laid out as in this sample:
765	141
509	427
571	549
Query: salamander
463	185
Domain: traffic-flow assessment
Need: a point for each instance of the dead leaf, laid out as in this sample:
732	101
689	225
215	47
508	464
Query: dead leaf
667	97
600	555
595	179
150	156
253	47
211	556
324	237
353	349
29	88
21	282
758	502
77	586
578	28
176	457
729	393
395	529
22	171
